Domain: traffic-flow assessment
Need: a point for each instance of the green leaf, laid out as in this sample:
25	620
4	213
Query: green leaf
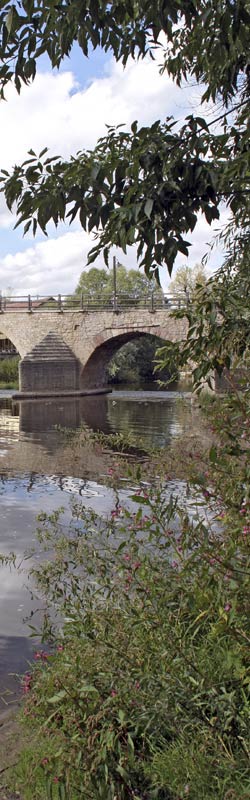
148	207
138	498
9	19
57	697
213	454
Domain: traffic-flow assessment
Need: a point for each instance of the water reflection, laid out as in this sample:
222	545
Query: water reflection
42	416
41	469
154	417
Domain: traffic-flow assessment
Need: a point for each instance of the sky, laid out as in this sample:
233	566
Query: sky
67	110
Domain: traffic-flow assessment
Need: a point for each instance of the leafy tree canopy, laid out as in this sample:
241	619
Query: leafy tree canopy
145	186
200	34
97	283
187	279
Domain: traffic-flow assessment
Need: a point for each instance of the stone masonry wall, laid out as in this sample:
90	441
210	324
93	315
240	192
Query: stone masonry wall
84	332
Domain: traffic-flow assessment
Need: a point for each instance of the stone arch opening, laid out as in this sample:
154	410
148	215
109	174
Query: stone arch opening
94	373
9	338
9	361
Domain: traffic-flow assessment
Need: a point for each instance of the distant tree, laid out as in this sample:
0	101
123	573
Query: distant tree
98	284
187	280
93	282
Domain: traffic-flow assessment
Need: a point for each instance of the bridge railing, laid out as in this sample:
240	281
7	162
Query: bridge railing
84	302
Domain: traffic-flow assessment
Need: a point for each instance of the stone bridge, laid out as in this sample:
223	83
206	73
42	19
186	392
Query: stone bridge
69	350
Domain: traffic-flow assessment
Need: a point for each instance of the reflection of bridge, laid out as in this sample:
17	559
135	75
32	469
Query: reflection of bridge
67	349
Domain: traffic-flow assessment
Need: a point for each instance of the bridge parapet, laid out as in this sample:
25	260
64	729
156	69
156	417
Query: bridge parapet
118	302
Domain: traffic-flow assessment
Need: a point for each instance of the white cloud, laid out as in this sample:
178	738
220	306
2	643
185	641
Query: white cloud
56	112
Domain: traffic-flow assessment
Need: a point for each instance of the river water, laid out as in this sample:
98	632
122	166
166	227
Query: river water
41	469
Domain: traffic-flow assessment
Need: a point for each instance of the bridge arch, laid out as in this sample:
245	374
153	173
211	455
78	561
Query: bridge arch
13	337
94	372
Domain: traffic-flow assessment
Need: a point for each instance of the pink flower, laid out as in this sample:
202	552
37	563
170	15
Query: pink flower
113	693
110	471
44	762
27	683
55	779
227	607
41	654
60	648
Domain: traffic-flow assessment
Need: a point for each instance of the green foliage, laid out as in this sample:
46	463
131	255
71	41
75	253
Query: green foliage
218	336
93	284
187	280
135	362
9	370
146	691
98	285
194	28
146	186
181	172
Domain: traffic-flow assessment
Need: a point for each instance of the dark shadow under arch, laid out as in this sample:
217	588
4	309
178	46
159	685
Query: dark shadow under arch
94	373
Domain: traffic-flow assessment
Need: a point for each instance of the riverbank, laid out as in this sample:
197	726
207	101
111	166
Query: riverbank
95	449
171	607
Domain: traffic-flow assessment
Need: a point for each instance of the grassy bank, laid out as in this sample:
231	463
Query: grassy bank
9	385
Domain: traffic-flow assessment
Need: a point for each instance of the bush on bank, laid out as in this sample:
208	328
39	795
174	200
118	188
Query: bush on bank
9	370
146	693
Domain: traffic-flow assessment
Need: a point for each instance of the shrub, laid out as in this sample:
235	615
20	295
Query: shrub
9	370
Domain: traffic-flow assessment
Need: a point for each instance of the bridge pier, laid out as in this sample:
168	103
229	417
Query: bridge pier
51	369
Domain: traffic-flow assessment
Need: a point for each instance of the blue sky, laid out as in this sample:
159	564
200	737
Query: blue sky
67	110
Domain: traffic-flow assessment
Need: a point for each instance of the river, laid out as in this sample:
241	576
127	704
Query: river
41	468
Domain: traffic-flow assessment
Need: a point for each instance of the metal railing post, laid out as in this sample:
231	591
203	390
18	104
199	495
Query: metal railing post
1	304
59	302
29	303
82	301
152	309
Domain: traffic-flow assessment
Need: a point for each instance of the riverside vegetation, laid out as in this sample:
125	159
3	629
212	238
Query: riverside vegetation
9	373
144	690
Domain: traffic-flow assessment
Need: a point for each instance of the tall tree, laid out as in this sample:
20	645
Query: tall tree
187	280
93	283
98	284
144	186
